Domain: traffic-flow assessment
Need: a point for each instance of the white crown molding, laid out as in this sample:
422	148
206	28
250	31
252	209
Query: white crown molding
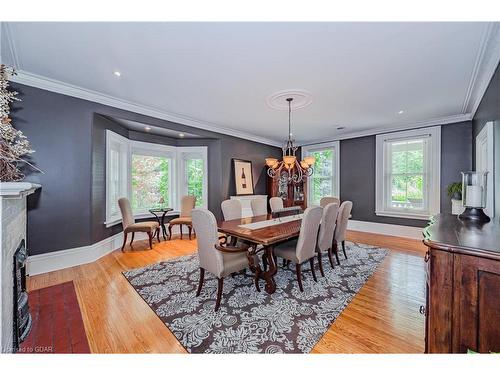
59	87
487	60
423	124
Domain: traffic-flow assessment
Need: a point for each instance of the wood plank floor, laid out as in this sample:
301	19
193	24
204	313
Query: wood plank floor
382	318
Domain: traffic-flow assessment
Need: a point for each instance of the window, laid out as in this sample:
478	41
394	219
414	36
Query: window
408	173
325	180
152	175
117	151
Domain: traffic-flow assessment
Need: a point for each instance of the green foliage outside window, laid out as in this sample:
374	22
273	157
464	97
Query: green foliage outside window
407	174
150	182
194	175
321	180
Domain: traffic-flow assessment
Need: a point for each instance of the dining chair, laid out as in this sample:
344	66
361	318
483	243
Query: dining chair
188	203
326	200
341	228
303	248
219	260
259	206
130	226
276	203
231	209
326	233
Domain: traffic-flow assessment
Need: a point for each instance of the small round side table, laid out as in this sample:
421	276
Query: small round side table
163	211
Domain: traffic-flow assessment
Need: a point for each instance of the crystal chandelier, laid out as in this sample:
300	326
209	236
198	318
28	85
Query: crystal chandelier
295	171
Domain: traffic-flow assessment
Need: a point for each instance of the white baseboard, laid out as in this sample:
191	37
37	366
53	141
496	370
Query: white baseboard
386	229
58	260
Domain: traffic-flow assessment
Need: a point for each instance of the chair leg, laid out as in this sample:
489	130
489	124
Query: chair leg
125	234
311	263
330	257
343	249
181	230
190	228
170	231
220	286
320	262
132	240
336	251
158	234
200	283
150	235
299	276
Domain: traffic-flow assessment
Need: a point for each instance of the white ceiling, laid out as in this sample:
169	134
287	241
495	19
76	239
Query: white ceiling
219	75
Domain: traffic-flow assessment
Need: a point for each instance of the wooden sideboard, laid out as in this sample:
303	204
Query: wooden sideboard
463	286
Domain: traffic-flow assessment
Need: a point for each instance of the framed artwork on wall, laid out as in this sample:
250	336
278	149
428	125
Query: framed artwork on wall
243	177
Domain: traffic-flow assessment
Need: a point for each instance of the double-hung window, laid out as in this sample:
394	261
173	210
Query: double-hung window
326	177
117	174
192	173
408	173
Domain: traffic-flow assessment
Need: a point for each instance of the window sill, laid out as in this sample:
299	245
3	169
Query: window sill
404	215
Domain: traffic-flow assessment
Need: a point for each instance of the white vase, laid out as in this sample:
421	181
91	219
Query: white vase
456	207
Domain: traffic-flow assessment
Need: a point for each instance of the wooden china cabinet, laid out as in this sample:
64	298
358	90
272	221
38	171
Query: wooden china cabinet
463	286
292	194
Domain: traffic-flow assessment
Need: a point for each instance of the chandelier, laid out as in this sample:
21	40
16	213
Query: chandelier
294	171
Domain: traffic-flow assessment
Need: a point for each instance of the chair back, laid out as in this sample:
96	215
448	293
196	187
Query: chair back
306	244
342	220
259	206
188	203
327	226
276	203
231	209
126	210
205	226
326	200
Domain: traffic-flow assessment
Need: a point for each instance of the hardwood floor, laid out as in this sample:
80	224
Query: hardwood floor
382	318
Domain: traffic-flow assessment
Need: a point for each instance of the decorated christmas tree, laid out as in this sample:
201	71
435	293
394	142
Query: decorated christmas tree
13	143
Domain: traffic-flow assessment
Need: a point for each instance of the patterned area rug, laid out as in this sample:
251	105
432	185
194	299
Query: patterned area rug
287	321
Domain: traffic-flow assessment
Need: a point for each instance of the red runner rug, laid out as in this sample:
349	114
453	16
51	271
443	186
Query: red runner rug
57	321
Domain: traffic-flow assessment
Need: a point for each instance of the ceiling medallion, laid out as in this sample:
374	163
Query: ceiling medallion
295	171
300	98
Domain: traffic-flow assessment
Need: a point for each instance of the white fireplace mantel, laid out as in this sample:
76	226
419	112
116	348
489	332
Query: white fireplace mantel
17	189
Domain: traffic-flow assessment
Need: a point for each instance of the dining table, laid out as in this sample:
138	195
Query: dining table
266	231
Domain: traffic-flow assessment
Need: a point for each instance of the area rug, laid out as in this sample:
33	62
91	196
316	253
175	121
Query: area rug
57	322
248	321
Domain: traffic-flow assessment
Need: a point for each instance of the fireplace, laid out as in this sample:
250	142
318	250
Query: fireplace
22	317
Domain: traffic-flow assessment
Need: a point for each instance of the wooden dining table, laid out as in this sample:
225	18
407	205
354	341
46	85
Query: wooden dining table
272	232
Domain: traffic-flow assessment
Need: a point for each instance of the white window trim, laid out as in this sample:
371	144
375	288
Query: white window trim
335	145
176	154
434	171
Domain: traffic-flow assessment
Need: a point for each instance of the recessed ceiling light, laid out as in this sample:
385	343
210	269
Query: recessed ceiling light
181	135
117	73
147	128
341	128
401	112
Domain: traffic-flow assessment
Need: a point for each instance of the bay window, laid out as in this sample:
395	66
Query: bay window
152	176
408	173
326	177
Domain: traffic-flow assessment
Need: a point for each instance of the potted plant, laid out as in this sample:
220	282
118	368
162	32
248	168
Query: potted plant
454	191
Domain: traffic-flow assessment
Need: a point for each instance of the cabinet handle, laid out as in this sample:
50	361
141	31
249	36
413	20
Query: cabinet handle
427	256
422	310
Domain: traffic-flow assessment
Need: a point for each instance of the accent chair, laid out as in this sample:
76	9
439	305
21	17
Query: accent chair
259	207
188	203
303	249
326	200
341	228
130	226
215	258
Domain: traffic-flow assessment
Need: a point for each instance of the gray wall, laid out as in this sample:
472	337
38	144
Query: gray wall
357	171
489	110
67	135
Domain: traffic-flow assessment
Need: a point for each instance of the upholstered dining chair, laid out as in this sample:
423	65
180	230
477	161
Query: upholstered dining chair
276	203
219	260
259	206
188	202
231	209
303	249
326	233
326	200
130	226
341	228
